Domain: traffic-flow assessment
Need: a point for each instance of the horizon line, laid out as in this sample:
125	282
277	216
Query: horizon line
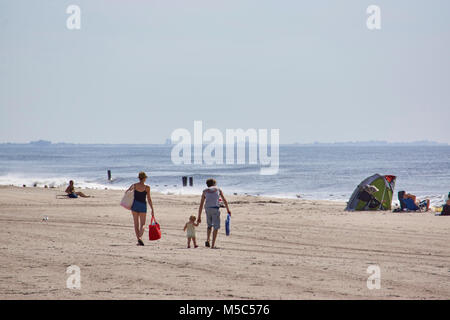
315	143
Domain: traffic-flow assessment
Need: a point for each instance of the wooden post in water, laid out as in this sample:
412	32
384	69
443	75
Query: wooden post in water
109	175
184	179
191	181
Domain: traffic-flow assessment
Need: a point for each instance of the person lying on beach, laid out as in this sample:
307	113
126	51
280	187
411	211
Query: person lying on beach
210	199
413	204
190	227
71	191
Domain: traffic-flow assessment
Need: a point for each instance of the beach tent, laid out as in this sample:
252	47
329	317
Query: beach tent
379	199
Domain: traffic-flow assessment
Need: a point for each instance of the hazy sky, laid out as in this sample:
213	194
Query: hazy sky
137	70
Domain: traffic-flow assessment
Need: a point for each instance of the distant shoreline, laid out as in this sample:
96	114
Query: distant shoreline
193	193
315	144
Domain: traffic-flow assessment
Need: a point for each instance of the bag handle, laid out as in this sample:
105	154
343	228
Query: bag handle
153	221
131	189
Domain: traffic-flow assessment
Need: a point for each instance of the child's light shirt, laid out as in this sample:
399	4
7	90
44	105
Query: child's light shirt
190	230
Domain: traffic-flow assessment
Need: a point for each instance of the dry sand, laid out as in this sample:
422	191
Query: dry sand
278	249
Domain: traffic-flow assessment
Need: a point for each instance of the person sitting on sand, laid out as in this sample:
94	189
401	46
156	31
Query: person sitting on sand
446	209
71	191
190	227
139	207
413	204
210	199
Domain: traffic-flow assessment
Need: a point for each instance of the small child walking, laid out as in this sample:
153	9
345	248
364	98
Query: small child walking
190	227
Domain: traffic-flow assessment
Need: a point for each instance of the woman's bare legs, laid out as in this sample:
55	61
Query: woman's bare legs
139	224
142	217
136	224
213	244
81	194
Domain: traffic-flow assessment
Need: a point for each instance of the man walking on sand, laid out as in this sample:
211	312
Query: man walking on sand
210	199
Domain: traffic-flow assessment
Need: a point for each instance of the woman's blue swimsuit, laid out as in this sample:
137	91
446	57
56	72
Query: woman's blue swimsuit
139	204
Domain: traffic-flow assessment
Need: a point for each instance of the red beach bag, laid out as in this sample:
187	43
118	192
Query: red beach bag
154	231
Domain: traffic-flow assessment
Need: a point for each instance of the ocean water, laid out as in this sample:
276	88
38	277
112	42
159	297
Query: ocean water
312	172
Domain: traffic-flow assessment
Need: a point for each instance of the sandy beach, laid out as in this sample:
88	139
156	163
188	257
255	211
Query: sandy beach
278	249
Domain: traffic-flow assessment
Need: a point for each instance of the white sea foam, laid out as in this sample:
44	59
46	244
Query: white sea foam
39	181
122	184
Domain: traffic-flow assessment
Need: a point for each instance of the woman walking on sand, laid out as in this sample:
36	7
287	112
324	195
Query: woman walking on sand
139	208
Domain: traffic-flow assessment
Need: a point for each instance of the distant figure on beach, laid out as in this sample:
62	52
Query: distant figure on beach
411	202
70	190
446	209
210	199
139	207
190	227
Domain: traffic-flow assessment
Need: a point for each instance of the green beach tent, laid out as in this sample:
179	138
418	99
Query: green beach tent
373	193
